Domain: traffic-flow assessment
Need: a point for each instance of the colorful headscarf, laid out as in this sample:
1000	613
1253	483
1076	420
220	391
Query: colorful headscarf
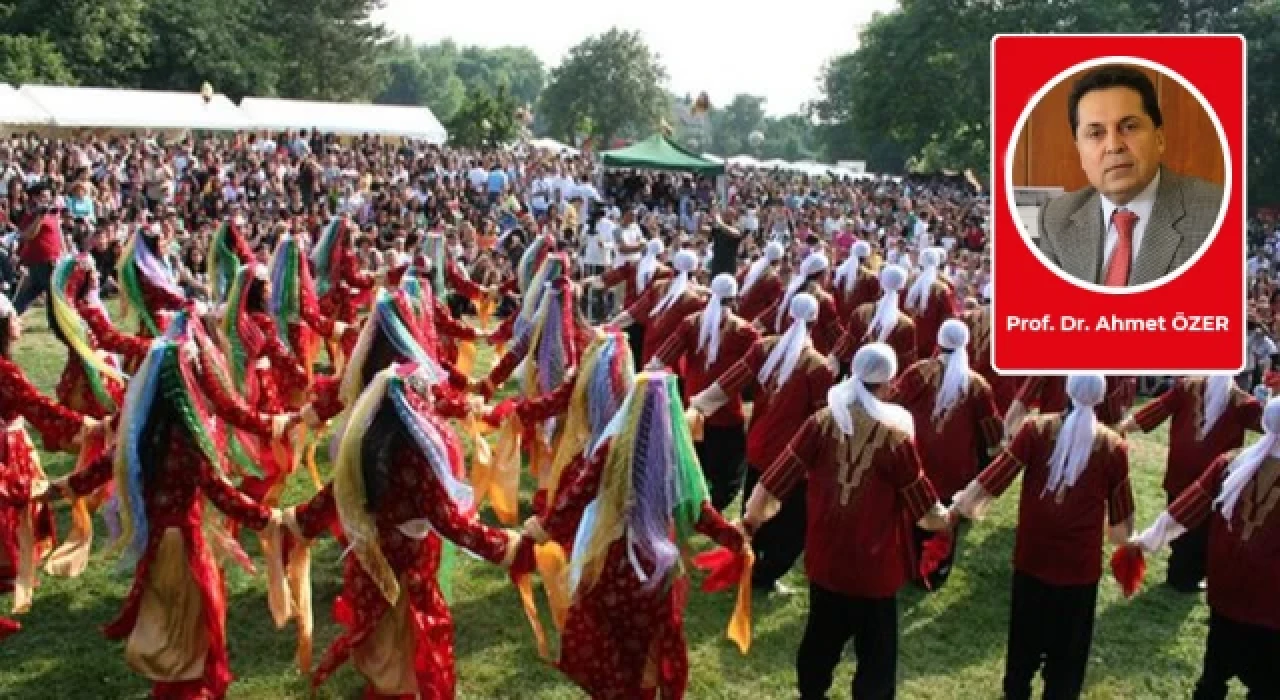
325	255
167	373
291	287
138	263
553	268
539	248
651	481
222	262
69	274
553	345
409	390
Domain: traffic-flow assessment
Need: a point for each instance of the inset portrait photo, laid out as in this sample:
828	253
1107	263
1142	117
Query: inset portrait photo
1120	173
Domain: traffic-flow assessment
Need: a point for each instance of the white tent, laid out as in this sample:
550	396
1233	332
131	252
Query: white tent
713	158
343	119
744	161
554	146
112	108
16	109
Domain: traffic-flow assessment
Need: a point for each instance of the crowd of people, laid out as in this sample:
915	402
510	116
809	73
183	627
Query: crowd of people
280	288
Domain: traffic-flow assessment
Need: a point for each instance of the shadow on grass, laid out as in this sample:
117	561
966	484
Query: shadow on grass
1142	637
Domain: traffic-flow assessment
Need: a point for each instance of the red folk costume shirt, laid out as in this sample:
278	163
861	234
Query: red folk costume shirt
327	398
1244	554
413	493
940	305
618	627
626	276
778	410
1004	387
953	445
452	329
1059	540
825	331
348	291
73	388
515	354
57	425
737	337
658	326
902	338
766	292
1049	394
160	303
1189	456
865	490
866	289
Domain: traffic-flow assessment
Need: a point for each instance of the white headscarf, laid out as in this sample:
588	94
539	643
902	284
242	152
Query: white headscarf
772	254
724	286
1075	439
847	272
1217	389
684	262
812	265
892	279
874	363
785	355
918	295
649	263
1244	467
953	336
986	292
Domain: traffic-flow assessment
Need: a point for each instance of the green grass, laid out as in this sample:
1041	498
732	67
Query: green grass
952	644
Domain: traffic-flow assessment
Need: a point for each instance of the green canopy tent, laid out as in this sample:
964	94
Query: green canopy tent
660	153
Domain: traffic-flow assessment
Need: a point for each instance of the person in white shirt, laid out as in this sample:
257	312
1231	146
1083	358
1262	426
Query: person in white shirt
478	176
628	240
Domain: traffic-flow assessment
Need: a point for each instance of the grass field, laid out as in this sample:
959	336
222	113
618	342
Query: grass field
952	643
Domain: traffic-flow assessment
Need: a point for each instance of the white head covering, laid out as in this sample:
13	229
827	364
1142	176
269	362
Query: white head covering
874	363
1216	390
986	291
649	263
684	262
1245	466
724	286
918	295
847	272
892	280
785	355
1075	439
6	306
812	265
953	336
772	254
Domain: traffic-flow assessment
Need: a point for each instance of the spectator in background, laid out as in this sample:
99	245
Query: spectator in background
40	247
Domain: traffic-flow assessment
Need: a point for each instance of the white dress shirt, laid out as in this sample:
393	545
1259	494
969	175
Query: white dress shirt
1142	205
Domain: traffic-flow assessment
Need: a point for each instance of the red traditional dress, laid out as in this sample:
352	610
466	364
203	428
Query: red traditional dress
348	289
762	294
623	640
174	618
1003	387
865	290
378	631
625	275
939	305
825	332
659	325
902	338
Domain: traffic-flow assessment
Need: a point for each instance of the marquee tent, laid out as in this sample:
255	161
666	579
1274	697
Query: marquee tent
344	119
113	108
660	153
18	110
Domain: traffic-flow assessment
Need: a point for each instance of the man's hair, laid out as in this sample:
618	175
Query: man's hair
1109	77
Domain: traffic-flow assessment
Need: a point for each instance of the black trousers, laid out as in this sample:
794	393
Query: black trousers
723	456
635	338
1188	559
780	541
35	284
1050	626
1238	650
833	619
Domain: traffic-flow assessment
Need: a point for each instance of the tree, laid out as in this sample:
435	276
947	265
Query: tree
222	42
328	48
732	125
102	42
484	119
28	59
439	75
611	84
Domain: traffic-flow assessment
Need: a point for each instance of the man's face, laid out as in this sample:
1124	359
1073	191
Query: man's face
1120	147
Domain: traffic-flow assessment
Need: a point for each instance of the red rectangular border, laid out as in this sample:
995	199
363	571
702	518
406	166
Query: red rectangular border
1213	286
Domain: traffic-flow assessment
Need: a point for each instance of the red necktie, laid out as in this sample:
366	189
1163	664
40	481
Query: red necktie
1122	254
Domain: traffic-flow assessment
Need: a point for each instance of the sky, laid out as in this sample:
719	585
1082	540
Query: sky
708	45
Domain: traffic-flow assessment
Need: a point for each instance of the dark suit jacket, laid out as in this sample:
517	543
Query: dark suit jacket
1186	208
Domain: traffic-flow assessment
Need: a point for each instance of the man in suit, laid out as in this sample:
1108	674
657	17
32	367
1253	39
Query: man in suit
1137	221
